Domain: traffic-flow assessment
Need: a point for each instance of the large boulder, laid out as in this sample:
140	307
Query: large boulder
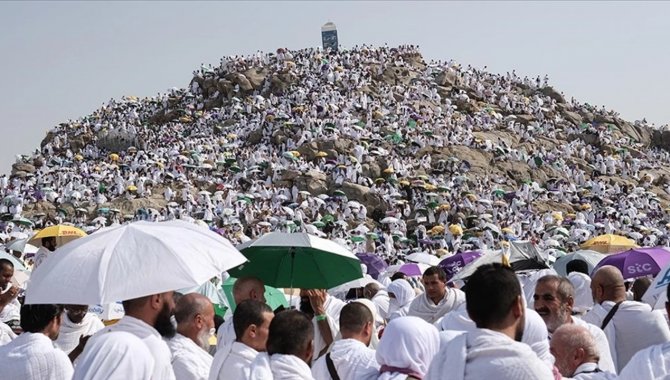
553	94
23	167
256	76
240	80
116	140
363	195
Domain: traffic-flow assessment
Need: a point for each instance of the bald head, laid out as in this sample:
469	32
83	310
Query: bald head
371	290
189	306
248	288
573	345
195	318
607	285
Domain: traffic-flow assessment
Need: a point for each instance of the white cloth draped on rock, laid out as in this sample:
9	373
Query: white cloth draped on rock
408	343
651	363
189	361
33	356
115	356
352	361
70	332
279	367
232	362
486	354
424	308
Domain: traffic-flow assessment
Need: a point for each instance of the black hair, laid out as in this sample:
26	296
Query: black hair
35	318
354	316
290	333
490	294
577	265
247	313
435	270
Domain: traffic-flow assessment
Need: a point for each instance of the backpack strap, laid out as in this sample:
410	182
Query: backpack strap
609	315
331	368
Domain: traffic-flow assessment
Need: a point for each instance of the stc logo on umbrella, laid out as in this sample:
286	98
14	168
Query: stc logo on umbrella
639	268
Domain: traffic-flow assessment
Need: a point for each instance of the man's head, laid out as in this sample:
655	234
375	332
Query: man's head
640	287
6	273
577	265
370	290
195	318
251	321
607	285
435	282
76	313
291	333
554	298
572	345
493	300
49	243
356	322
45	319
248	288
398	275
156	310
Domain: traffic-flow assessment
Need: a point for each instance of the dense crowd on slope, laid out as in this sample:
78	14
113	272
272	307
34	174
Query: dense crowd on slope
432	204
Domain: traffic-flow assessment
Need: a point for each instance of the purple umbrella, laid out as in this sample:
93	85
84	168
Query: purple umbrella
638	262
455	263
375	264
413	269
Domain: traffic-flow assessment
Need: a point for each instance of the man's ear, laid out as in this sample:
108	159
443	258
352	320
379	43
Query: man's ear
156	301
518	308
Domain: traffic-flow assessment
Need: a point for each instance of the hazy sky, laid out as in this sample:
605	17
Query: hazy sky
62	60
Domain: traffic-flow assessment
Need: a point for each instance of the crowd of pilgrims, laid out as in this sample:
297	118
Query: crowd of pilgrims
226	167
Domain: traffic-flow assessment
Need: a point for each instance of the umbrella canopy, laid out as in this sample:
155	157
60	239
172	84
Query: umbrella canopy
656	294
638	262
609	243
298	260
375	264
413	269
592	258
423	258
21	245
131	261
63	234
273	296
455	263
18	265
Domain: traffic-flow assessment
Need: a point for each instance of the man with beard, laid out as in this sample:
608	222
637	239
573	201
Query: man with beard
77	326
32	354
324	311
494	302
195	324
554	298
148	318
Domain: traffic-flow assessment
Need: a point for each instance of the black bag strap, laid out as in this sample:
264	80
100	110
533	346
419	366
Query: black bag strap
331	368
609	315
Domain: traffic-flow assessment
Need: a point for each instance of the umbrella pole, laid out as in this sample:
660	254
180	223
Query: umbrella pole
292	264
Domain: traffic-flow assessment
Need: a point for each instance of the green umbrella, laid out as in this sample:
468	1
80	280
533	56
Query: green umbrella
498	192
273	296
319	224
298	260
357	239
328	218
339	193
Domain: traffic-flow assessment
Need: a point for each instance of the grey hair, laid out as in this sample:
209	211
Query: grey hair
574	336
565	289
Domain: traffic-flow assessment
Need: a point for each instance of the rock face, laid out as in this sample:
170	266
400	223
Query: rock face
116	141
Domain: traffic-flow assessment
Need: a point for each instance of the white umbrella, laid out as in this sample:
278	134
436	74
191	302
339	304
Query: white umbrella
423	258
108	312
656	295
131	261
21	245
389	220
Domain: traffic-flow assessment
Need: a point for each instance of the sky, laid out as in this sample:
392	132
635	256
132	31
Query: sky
63	60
